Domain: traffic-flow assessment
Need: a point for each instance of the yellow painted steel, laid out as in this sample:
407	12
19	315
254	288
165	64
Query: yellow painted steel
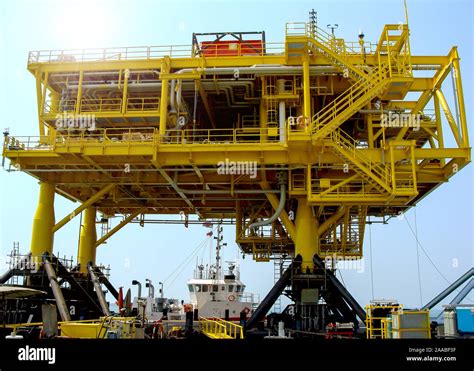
217	328
42	237
118	227
87	240
307	238
345	160
90	201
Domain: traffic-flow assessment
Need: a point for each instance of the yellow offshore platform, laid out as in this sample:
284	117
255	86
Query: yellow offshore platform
297	143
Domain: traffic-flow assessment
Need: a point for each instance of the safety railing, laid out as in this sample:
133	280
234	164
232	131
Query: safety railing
143	104
101	105
217	328
308	30
404	181
148	52
250	298
350	145
125	136
104	105
347	103
222	136
26	143
82	328
341	187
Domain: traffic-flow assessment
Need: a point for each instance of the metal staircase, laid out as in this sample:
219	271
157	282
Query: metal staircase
377	174
335	51
348	103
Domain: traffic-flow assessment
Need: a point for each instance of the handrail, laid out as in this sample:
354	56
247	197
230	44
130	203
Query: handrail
341	138
143	53
347	99
218	328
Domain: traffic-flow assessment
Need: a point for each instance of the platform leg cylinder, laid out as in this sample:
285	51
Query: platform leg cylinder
42	236
307	241
88	238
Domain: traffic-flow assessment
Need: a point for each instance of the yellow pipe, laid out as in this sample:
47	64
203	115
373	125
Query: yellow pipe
42	237
125	91
79	93
85	205
307	239
118	227
163	108
87	240
306	89
164	99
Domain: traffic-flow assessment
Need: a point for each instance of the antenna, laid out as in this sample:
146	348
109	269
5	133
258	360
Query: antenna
332	27
313	20
406	11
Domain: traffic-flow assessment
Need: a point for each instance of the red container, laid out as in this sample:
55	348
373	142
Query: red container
231	48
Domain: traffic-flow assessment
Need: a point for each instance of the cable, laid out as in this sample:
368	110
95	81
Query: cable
418	260
426	254
193	253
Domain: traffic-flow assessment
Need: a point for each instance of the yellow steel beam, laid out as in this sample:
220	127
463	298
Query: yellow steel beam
449	116
164	100
97	196
42	236
40	96
307	238
123	109
87	240
331	220
460	99
119	226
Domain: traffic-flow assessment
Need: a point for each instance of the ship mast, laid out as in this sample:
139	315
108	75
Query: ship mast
219	245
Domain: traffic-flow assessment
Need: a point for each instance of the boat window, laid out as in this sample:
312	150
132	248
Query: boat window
204	288
223	288
231	288
237	289
215	288
198	288
191	288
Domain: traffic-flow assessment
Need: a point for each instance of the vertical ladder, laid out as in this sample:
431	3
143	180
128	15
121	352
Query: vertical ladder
14	260
280	264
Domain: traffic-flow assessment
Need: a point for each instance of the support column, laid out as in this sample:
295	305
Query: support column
306	89
164	99
123	109
42	236
88	238
307	239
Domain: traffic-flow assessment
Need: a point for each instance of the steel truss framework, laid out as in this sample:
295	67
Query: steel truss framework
337	118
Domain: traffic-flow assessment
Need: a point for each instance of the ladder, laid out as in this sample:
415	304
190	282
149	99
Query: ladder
280	264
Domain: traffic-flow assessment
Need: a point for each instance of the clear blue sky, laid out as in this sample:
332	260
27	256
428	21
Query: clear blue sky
444	219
